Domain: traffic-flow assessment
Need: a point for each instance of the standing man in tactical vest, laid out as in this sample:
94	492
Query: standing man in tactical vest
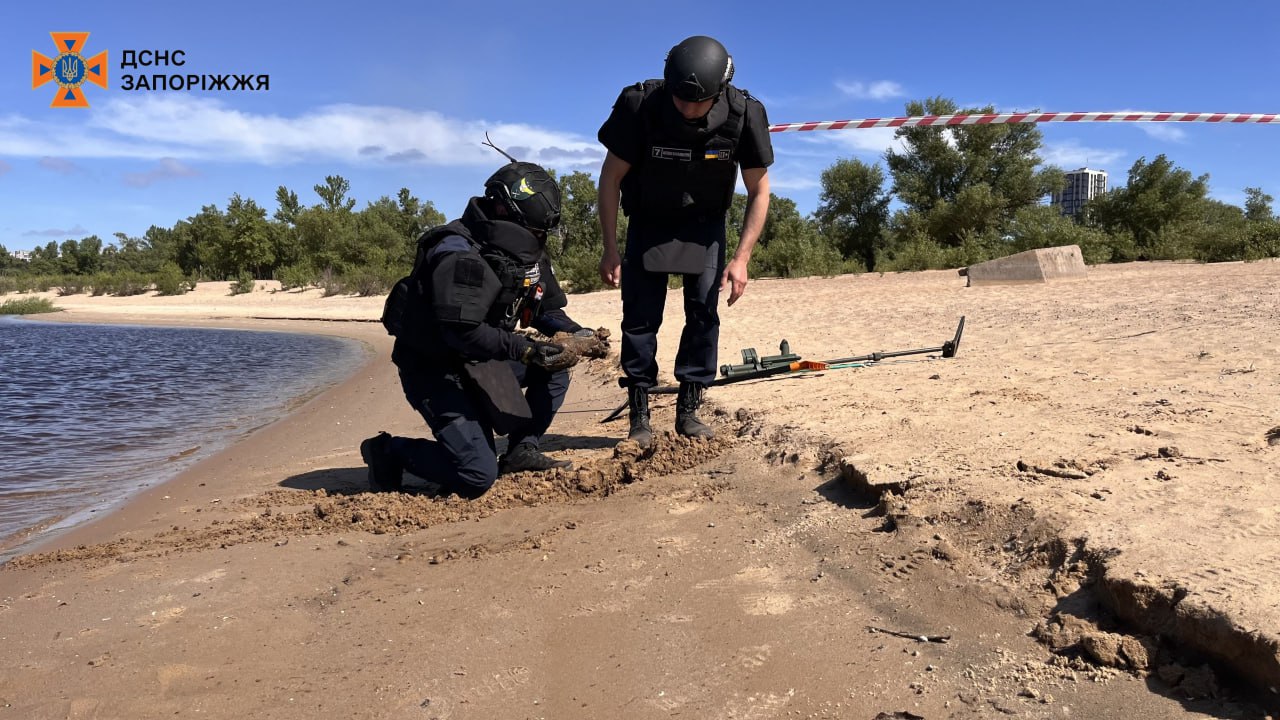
675	146
461	364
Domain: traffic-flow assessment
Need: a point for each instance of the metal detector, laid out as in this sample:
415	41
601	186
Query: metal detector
948	349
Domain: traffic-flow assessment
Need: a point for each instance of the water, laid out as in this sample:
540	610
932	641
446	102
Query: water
91	414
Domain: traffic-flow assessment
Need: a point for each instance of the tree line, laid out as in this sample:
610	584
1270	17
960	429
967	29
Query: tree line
951	197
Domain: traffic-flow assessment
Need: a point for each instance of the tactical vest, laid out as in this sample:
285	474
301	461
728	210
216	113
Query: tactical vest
513	283
684	174
517	293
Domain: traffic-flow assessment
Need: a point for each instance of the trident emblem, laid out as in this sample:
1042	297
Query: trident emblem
70	66
69	69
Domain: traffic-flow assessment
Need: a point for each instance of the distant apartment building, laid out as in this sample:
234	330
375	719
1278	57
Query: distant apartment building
24	255
1082	186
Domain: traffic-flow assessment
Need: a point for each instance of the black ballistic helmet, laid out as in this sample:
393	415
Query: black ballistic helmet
698	69
529	194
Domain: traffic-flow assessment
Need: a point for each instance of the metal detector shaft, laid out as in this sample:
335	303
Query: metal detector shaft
948	350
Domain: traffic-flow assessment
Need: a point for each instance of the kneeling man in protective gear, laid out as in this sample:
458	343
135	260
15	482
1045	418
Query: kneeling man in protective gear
461	363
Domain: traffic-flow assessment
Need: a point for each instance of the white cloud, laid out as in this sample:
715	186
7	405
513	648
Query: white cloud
789	181
1166	131
166	169
1160	131
807	154
1070	155
20	137
879	90
57	232
864	141
193	128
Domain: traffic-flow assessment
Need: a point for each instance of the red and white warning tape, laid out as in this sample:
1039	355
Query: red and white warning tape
1035	117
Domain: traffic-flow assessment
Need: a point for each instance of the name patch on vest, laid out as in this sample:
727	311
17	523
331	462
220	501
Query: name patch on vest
663	153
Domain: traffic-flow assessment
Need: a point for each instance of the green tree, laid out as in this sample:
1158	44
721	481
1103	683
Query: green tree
1263	241
382	241
1221	234
968	181
82	257
1262	232
853	209
733	222
334	193
287	207
249	246
327	233
416	216
185	248
67	260
89	255
575	249
7	260
1257	205
171	245
1160	202
44	260
791	246
1045	226
288	249
130	254
210	237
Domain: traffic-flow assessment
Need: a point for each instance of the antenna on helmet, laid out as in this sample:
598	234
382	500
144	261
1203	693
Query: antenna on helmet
495	147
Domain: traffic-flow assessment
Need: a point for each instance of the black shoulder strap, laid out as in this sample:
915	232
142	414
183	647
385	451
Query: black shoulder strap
737	99
649	107
433	236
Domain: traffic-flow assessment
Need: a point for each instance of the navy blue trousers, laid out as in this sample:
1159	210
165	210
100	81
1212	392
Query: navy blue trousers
463	458
644	297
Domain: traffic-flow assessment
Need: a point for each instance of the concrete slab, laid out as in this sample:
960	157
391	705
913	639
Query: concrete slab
1033	266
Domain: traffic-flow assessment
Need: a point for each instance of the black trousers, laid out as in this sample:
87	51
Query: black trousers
644	296
463	458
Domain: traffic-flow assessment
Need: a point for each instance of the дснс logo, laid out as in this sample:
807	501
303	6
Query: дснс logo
69	69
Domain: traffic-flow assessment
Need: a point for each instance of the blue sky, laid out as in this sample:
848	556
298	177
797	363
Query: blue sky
391	94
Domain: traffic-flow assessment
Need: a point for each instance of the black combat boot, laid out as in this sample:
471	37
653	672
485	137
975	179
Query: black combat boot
525	457
638	404
385	472
687	404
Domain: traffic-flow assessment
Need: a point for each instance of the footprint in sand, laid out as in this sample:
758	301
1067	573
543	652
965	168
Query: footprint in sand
767	601
167	675
901	568
162	615
767	604
83	709
673	544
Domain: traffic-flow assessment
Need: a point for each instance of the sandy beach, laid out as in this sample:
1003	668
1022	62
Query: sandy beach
1077	516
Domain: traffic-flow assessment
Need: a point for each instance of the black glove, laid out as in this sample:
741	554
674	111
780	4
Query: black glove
548	356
